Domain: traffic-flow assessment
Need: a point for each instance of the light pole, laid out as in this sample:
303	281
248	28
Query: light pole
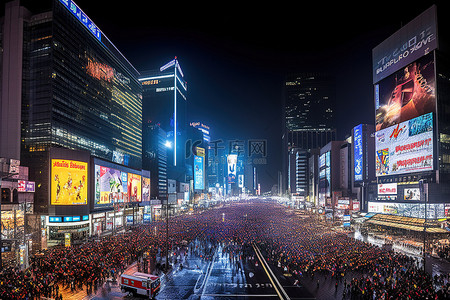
422	192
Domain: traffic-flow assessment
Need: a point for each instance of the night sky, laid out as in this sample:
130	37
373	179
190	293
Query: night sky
235	57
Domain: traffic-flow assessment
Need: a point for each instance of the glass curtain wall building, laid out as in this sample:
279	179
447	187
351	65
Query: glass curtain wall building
78	92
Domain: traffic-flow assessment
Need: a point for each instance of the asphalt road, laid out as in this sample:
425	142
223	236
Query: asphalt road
224	274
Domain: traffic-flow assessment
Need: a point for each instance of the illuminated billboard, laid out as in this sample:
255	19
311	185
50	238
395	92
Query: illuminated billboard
406	94
232	163
110	185
415	39
358	153
145	188
134	187
117	186
198	173
69	182
82	18
405	147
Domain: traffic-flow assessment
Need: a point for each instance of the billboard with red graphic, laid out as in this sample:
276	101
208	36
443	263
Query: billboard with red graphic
406	147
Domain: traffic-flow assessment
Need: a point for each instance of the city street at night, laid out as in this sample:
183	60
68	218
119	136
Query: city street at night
183	150
240	251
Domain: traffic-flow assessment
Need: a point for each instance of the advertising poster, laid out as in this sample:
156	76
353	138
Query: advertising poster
69	182
110	185
414	210
67	239
415	39
145	189
406	94
387	189
25	186
358	152
134	188
241	181
405	147
411	194
198	173
232	162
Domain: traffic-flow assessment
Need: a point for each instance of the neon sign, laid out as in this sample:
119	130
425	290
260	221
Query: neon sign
83	18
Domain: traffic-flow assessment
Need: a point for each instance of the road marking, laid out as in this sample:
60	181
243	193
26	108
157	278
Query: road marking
266	267
209	272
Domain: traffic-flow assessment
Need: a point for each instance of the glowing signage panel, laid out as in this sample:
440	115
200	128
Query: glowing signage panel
69	180
83	18
232	162
198	172
405	147
358	152
406	94
415	39
134	187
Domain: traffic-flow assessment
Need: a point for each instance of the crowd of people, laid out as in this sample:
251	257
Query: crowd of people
300	245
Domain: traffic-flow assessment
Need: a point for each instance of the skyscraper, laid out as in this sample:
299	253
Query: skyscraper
308	115
68	87
164	93
309	110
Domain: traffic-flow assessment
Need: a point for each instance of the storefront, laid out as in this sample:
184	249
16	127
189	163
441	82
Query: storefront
98	223
57	226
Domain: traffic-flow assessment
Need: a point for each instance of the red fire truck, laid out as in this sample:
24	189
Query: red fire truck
138	283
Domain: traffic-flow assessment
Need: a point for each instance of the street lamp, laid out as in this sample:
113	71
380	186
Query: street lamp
422	192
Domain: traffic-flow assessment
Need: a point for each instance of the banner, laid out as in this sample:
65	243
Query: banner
198	173
134	188
358	152
110	185
232	163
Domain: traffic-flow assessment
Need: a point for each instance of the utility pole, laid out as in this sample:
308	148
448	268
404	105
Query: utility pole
167	235
422	192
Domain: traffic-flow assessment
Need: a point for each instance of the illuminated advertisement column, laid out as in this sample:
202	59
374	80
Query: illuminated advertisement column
231	167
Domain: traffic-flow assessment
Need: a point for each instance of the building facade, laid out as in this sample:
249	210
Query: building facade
307	114
164	98
73	103
412	120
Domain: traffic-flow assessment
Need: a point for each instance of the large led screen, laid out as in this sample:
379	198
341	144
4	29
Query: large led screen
358	152
110	185
134	187
145	189
116	186
69	182
198	173
406	94
406	147
232	162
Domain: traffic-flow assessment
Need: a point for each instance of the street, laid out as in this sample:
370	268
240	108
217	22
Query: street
237	251
226	275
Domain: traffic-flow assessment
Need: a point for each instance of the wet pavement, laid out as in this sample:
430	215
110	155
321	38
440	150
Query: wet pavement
229	272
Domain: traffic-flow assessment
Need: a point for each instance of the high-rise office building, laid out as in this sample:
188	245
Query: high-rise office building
65	85
298	173
308	115
164	101
309	110
154	158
